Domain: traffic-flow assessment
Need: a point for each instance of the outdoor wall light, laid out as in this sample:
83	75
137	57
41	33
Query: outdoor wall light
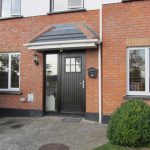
36	61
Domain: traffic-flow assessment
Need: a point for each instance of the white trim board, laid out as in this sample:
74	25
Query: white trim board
63	45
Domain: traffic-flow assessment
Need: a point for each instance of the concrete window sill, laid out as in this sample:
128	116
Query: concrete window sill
10	93
11	17
66	11
141	97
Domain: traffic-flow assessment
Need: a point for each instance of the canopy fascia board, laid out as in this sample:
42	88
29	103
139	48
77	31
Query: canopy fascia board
63	45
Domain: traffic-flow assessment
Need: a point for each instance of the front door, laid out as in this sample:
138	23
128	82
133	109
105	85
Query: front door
65	82
73	83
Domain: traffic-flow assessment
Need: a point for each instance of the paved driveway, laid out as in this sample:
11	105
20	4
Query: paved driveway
32	133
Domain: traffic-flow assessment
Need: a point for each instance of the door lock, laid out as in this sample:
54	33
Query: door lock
82	83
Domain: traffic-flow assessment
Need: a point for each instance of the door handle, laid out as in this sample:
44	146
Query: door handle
82	83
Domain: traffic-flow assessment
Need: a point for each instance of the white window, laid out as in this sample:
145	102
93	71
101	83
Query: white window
73	4
9	71
10	8
63	5
138	66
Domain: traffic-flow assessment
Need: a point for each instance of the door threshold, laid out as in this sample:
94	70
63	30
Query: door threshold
65	114
72	112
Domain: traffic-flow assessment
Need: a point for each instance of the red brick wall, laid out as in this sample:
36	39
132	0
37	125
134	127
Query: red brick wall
92	104
16	32
121	22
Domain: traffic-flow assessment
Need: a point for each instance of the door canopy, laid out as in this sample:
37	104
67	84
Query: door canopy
64	36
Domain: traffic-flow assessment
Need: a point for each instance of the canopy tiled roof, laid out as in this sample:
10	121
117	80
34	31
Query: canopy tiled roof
65	32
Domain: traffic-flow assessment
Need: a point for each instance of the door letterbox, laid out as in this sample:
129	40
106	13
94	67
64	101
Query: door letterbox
92	72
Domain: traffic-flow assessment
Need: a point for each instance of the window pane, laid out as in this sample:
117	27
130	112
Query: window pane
15	71
67	61
78	68
6	8
4	71
78	61
74	3
68	68
73	61
72	68
16	4
137	70
60	5
51	82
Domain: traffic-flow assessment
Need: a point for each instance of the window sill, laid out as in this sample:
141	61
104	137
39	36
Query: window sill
67	11
11	17
141	97
11	92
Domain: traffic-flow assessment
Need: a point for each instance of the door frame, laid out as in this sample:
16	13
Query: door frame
59	61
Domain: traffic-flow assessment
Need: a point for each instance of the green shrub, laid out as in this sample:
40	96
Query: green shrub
130	125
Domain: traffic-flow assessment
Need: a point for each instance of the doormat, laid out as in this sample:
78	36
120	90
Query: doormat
54	146
71	120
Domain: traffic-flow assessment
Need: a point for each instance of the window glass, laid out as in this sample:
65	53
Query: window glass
74	3
6	8
60	5
78	68
73	68
15	8
137	70
68	68
51	82
73	64
15	71
4	71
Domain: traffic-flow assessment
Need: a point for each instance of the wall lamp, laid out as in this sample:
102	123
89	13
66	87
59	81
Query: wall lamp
36	60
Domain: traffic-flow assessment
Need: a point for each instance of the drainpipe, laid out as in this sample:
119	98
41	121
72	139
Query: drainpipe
100	66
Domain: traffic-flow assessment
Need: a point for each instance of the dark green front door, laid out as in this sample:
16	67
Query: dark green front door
73	82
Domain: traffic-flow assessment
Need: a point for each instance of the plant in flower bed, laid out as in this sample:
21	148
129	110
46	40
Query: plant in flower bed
130	125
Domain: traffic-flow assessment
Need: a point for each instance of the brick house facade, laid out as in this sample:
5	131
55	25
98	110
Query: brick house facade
125	25
125	39
18	31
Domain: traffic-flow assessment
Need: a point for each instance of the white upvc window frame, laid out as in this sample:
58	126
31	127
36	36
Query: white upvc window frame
68	8
147	71
11	11
10	89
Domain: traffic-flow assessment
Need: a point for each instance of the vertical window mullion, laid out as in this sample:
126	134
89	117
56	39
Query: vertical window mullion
128	73
11	7
0	8
147	70
9	73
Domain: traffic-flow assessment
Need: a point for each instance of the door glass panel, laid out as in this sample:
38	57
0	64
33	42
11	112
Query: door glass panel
73	64
4	71
72	61
51	82
67	61
72	68
78	68
78	61
68	68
